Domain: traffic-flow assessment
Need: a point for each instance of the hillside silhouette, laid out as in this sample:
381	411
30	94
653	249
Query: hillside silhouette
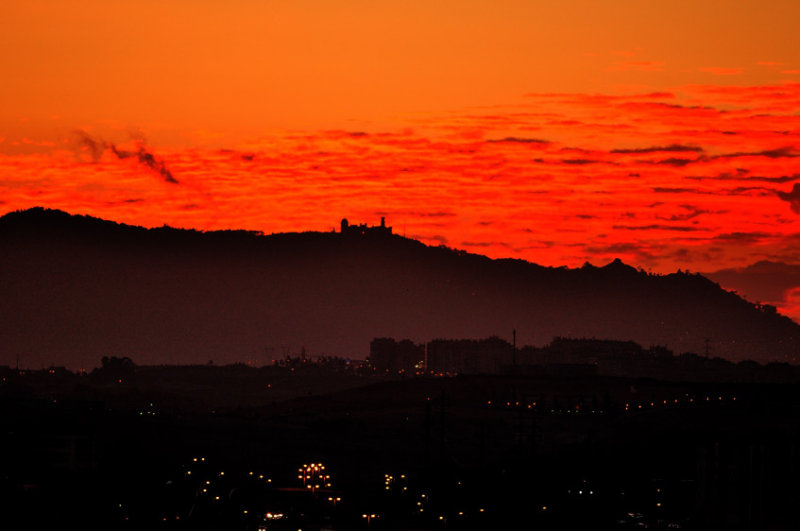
766	281
75	288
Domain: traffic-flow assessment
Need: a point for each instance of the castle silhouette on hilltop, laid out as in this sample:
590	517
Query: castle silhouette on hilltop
364	229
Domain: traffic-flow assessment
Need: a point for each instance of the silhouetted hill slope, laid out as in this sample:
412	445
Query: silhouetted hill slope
764	281
74	288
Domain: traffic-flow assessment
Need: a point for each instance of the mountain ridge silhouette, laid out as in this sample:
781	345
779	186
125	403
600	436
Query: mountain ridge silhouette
76	288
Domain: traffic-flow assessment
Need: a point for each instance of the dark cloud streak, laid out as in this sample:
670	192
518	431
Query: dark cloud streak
672	148
517	140
97	147
778	153
678	228
792	197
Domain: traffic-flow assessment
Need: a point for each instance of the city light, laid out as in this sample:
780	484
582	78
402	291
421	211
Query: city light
370	517
313	476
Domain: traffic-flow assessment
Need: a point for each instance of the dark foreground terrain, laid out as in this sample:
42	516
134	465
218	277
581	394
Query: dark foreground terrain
316	446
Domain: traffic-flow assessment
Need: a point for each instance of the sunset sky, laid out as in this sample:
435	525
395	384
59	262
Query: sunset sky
665	133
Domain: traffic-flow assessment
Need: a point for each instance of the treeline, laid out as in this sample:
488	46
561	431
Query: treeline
566	357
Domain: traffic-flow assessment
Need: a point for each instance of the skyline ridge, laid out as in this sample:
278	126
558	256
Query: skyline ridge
759	290
94	287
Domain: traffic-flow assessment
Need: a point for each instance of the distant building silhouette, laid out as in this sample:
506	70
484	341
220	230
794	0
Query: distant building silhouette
364	229
388	355
440	356
469	356
565	357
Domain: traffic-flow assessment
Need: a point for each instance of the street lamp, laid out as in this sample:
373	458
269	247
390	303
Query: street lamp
334	501
369	518
314	472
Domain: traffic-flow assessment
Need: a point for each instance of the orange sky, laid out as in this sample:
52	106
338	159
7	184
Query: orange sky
664	133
